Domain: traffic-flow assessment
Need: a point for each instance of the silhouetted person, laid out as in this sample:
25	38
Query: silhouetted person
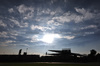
46	53
25	53
20	52
92	55
93	52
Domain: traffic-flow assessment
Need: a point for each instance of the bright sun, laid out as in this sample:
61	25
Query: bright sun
49	38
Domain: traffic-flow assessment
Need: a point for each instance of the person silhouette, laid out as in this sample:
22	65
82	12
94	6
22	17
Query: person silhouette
20	51
46	53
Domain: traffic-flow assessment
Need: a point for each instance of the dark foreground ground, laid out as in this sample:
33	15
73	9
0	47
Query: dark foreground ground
49	64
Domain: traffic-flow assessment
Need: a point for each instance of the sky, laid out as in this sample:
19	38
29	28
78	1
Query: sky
42	25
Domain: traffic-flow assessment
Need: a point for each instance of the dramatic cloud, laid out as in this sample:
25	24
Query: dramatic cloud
19	24
27	12
6	43
34	38
86	14
11	10
33	27
3	34
66	37
69	16
69	23
69	37
90	26
2	24
9	41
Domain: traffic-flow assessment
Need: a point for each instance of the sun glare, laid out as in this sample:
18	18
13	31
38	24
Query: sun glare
49	38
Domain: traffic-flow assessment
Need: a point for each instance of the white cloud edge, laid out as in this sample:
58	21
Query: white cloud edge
2	24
